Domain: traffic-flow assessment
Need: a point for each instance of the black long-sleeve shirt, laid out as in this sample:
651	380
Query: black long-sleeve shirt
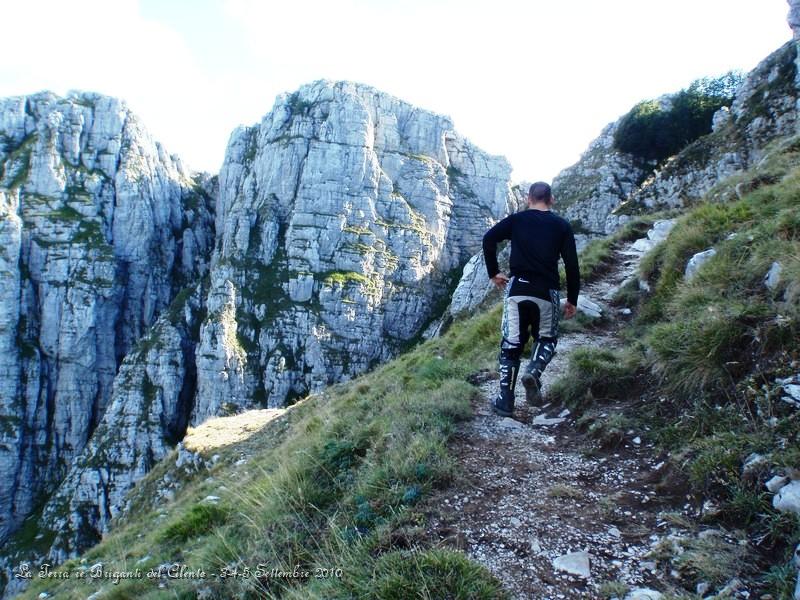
538	239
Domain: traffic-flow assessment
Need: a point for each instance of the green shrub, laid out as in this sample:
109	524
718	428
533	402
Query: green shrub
780	580
712	559
654	134
693	354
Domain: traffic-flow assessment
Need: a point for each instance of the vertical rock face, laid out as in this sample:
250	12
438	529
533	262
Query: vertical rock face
588	192
342	220
340	217
794	17
99	227
148	413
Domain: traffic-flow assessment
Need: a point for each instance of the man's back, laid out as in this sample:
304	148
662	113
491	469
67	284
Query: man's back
532	304
538	239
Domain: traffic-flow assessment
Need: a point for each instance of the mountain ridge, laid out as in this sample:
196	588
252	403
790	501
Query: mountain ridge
340	220
335	230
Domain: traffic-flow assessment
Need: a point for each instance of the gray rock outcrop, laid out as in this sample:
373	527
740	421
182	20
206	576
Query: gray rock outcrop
152	398
600	192
764	109
342	220
588	192
574	563
787	498
99	229
773	276
697	261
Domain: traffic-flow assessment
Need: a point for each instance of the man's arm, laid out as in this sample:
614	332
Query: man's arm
570	256
501	231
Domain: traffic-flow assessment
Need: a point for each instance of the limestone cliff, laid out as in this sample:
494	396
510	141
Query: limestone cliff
99	229
588	192
342	220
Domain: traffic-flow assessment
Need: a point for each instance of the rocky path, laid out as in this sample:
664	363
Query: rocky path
549	516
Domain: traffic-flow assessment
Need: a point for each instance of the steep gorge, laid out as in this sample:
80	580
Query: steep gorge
146	299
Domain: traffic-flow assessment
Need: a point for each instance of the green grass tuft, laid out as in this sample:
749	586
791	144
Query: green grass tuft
197	521
328	485
595	375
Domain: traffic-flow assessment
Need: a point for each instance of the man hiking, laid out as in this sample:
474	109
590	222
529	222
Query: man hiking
538	238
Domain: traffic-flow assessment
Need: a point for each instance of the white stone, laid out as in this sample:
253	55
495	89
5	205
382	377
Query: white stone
793	390
536	547
773	276
787	499
655	235
720	118
753	462
642	245
697	261
544	420
509	423
776	483
589	307
575	563
644	594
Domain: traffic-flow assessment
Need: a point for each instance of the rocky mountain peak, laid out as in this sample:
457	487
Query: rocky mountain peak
341	221
794	18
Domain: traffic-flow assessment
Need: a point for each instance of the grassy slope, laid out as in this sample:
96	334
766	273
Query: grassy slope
332	483
701	359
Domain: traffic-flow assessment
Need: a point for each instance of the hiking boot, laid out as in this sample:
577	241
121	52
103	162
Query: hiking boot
503	404
533	388
542	353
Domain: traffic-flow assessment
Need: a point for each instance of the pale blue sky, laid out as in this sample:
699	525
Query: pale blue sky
535	81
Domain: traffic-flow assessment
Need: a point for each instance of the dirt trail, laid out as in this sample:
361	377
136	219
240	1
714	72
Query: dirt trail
534	490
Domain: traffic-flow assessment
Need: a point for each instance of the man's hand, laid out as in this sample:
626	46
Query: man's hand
500	280
569	310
